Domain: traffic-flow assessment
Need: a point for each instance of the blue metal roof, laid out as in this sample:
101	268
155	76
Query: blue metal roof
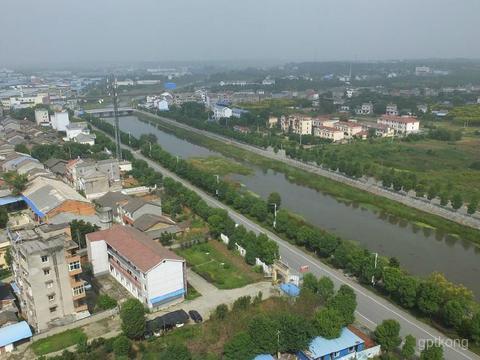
290	289
12	333
264	357
18	160
34	207
10	200
15	287
320	346
165	297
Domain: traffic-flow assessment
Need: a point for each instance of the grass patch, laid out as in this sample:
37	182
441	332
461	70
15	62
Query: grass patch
192	293
423	225
219	165
58	341
216	267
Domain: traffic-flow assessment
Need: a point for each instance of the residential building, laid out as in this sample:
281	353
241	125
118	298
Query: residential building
272	121
323	121
330	133
162	105
56	166
47	275
422	70
76	128
241	129
365	109
391	110
237	113
220	112
42	117
4	245
94	178
348	346
49	197
135	207
12	335
349	128
297	124
379	130
85	139
422	108
60	120
155	225
401	124
151	273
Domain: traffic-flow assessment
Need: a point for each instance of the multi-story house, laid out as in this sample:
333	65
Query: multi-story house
391	110
349	128
46	272
297	124
401	124
153	274
326	132
365	109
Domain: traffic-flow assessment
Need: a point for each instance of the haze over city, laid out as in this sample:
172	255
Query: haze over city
58	31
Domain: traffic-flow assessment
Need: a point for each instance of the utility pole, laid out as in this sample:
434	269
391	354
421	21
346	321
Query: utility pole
118	148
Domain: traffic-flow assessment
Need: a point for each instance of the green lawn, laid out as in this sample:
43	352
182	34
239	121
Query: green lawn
219	165
192	293
215	267
58	342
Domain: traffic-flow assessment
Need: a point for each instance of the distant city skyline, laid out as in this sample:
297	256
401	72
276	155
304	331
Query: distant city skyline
60	32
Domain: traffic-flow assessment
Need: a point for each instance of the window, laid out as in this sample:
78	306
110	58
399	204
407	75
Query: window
51	297
46	271
74	265
53	309
78	290
44	258
351	349
49	284
337	354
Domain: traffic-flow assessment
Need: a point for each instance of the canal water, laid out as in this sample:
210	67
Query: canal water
420	250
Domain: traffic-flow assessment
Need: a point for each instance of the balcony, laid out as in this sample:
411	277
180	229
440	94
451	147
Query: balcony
75	281
79	296
71	260
81	307
125	273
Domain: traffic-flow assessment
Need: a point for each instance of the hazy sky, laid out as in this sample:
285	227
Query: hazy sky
59	31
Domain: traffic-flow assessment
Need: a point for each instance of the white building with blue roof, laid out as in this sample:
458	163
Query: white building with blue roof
347	346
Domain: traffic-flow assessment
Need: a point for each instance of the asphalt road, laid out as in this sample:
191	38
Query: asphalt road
371	309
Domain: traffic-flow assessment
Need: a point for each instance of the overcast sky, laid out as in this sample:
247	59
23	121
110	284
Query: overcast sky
66	31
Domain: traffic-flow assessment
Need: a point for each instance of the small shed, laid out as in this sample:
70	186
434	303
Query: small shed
12	334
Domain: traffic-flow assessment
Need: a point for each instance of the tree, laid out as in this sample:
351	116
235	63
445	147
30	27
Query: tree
325	288
121	346
221	311
240	347
433	352
263	332
3	217
408	348
16	182
475	328
295	332
22	148
175	351
444	198
453	313
429	298
328	322
79	228
472	206
310	283
274	198
345	303
457	201
132	314
9	257
387	334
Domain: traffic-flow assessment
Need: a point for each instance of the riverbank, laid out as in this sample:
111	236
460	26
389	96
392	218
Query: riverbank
320	183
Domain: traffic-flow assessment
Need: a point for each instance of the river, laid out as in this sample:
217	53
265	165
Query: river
420	250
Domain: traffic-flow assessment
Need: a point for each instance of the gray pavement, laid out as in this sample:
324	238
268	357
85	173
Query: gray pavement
371	309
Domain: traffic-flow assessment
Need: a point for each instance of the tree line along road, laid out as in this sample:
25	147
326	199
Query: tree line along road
373	188
371	309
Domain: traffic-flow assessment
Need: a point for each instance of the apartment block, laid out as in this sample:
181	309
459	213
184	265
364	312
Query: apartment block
47	275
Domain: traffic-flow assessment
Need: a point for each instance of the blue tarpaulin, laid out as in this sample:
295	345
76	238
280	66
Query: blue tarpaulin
34	207
290	289
264	357
10	200
13	333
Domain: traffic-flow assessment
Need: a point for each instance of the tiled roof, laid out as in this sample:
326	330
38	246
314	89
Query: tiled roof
400	119
144	252
146	221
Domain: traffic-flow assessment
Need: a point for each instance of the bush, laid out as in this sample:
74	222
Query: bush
105	302
221	311
121	346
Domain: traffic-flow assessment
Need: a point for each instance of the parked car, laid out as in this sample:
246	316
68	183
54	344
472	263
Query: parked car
162	324
195	316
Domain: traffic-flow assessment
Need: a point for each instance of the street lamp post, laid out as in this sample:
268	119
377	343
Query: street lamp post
274	215
218	181
375	268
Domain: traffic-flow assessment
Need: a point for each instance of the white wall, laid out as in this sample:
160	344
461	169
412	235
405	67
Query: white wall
60	121
97	254
165	278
